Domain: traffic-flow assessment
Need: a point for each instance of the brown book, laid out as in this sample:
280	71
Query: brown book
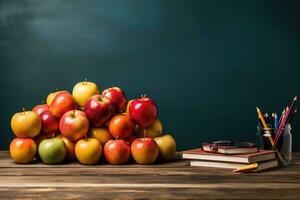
199	154
261	166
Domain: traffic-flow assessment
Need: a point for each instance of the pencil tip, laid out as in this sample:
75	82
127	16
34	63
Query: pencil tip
295	98
257	109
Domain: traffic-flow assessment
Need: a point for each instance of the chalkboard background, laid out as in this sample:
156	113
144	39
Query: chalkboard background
207	64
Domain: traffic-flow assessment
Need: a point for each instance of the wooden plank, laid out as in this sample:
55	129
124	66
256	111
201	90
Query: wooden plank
173	180
216	192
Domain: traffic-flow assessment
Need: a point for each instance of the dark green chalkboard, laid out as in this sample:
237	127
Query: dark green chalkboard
207	64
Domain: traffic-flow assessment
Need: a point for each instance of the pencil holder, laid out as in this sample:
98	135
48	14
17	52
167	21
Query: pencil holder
284	144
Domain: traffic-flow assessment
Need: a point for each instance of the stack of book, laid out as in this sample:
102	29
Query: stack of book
239	159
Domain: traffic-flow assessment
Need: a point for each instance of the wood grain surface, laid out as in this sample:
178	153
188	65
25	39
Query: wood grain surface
173	180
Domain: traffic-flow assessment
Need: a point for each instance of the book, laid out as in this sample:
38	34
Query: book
261	166
229	149
199	154
236	150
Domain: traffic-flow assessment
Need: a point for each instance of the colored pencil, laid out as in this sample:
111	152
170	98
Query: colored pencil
292	116
275	121
281	125
292	107
281	116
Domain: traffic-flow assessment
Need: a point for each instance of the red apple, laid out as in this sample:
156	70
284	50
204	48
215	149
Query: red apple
143	111
39	109
99	110
50	124
121	126
62	102
144	150
74	125
117	152
117	97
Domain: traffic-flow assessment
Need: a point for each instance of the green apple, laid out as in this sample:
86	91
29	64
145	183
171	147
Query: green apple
167	147
52	151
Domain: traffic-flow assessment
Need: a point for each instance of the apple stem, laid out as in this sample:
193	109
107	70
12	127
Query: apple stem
24	110
117	137
144	133
53	134
73	113
85	81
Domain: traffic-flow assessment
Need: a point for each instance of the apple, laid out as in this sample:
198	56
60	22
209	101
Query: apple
39	109
22	150
117	152
100	133
88	151
167	147
143	111
52	95
99	110
26	124
82	91
144	151
152	131
52	151
121	126
117	97
62	102
127	106
74	125
70	146
50	124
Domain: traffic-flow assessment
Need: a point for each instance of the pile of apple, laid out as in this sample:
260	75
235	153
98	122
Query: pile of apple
85	125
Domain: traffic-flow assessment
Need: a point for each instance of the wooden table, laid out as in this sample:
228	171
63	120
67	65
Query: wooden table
170	180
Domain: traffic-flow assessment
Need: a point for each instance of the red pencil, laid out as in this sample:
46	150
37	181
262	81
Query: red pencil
281	125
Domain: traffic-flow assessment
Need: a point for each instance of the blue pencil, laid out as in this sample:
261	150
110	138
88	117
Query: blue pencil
275	121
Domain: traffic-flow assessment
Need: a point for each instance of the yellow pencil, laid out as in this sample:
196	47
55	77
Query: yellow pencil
265	126
246	168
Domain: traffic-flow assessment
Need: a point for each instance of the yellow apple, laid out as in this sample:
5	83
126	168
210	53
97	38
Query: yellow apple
26	124
167	147
100	133
82	91
88	151
51	96
151	131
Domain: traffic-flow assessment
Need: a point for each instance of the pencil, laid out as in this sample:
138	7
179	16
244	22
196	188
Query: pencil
266	116
281	116
262	119
260	116
292	116
246	168
275	121
281	125
292	108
